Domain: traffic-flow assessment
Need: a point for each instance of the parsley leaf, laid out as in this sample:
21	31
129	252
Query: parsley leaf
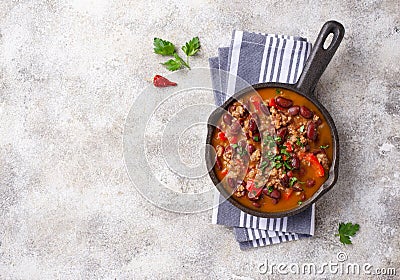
287	165
292	181
284	152
346	231
177	57
172	65
192	47
175	64
163	47
270	189
278	91
263	165
277	158
324	147
298	142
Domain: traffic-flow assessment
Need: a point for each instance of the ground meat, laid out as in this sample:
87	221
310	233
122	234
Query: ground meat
252	173
227	155
274	179
239	112
279	119
220	151
240	191
246	125
255	156
323	159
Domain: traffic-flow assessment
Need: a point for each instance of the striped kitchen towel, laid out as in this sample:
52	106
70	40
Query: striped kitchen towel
255	58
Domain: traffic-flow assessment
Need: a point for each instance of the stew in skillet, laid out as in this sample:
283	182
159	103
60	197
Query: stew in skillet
273	149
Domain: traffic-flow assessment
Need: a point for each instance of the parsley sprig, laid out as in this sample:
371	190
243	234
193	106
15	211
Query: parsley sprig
166	48
346	231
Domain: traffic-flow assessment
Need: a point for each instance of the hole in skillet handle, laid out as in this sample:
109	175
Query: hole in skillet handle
328	41
320	57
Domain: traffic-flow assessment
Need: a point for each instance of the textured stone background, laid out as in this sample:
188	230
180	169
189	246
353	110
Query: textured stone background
69	71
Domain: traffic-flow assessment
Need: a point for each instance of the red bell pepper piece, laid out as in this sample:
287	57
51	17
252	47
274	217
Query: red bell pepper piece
224	172
160	81
251	187
289	147
272	103
256	102
318	168
287	193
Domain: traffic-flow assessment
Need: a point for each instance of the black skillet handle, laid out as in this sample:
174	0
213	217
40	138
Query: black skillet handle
320	57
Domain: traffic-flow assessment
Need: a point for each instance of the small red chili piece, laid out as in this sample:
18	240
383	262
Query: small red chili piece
160	81
222	136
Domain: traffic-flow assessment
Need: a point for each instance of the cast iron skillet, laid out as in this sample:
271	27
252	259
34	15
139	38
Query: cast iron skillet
315	66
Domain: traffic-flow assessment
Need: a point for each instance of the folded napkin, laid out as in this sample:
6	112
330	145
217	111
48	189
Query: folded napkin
256	58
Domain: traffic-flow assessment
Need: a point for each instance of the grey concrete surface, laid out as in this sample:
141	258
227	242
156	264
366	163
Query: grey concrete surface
69	72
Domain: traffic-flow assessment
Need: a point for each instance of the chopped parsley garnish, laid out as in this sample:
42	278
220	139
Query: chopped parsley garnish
287	165
270	156
284	152
292	181
241	150
270	189
302	128
298	142
263	165
278	91
278	139
324	147
269	141
234	146
255	138
300	202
